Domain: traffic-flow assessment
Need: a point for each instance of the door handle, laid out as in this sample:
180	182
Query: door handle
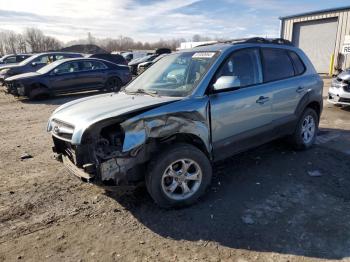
300	89
262	100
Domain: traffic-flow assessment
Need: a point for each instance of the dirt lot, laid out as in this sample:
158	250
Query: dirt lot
263	205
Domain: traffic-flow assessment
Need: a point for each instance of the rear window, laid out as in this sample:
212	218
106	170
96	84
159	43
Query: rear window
277	64
298	64
117	59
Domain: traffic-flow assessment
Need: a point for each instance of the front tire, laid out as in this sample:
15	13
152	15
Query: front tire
178	176
39	93
306	131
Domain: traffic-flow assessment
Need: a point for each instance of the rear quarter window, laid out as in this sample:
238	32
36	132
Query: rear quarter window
298	63
277	64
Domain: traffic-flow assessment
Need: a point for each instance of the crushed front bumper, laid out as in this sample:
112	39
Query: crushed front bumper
14	88
111	172
73	169
339	93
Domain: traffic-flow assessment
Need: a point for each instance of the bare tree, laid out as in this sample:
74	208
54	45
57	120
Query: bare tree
2	44
90	39
38	42
199	38
21	44
34	38
51	44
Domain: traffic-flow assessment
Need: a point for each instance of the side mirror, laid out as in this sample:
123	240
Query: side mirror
34	64
55	71
225	82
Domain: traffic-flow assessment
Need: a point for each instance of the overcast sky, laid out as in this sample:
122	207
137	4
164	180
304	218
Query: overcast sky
150	20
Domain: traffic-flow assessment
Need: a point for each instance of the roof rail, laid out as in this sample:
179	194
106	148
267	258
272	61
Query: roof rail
276	41
257	40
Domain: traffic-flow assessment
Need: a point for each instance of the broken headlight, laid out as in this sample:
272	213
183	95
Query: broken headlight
61	129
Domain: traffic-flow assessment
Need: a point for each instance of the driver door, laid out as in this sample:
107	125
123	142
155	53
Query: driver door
240	113
64	77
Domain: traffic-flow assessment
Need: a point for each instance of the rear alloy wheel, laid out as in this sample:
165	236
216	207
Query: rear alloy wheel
113	84
178	176
306	132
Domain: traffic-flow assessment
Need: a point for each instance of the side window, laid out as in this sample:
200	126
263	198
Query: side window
242	68
92	65
59	57
277	64
98	65
20	58
66	68
298	64
11	59
45	59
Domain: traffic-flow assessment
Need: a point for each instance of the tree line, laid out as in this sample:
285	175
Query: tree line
33	40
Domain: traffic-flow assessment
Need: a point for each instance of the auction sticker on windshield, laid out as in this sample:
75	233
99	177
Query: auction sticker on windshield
204	55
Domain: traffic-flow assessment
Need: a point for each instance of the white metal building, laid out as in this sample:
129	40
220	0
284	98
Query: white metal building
323	35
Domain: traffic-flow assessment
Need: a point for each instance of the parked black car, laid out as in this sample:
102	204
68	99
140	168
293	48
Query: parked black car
33	63
161	51
13	58
69	75
143	66
114	58
134	63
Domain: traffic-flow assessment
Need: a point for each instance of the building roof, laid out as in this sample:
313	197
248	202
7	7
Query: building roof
316	12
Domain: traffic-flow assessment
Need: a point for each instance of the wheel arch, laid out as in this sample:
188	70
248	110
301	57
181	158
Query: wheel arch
34	87
309	100
186	138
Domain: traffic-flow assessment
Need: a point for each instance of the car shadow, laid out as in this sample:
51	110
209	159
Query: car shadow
270	199
59	99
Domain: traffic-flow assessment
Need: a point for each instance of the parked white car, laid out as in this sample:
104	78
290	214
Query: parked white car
339	92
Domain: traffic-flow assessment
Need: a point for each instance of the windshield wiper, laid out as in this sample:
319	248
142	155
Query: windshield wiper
143	91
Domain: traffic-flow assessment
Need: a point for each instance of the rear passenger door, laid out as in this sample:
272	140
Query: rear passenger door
92	74
281	69
241	115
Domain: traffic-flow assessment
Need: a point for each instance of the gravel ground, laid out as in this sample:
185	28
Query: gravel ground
268	204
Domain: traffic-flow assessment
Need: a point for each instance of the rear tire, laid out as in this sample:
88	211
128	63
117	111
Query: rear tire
113	84
306	131
178	176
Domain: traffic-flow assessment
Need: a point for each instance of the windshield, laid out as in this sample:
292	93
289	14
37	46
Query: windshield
49	67
174	75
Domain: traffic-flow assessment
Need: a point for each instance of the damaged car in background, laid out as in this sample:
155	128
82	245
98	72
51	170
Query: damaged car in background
187	111
339	92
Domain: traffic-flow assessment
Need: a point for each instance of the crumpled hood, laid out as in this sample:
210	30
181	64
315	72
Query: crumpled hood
22	76
345	75
84	112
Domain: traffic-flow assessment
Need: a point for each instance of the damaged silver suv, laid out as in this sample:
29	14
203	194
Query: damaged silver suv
187	111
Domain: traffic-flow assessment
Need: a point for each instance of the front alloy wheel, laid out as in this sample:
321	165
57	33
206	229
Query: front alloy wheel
178	176
181	179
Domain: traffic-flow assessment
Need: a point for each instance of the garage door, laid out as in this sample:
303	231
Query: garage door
317	39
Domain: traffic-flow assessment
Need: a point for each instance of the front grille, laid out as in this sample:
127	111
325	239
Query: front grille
11	86
344	100
78	154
